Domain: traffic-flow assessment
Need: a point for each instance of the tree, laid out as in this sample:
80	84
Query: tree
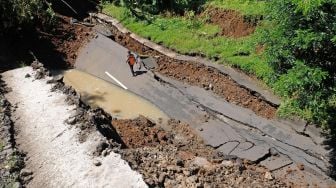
14	13
159	6
301	46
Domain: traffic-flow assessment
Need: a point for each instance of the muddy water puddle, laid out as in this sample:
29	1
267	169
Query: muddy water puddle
118	102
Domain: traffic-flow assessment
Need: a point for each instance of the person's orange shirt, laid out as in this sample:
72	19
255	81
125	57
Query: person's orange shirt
131	60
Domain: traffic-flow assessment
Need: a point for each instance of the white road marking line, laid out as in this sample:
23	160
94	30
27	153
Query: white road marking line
122	85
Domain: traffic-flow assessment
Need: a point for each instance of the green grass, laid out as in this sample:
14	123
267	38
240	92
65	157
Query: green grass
195	36
246	7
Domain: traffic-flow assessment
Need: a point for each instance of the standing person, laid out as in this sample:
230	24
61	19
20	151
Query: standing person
138	60
131	61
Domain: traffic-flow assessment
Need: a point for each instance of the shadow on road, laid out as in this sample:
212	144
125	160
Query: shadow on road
331	144
16	51
138	73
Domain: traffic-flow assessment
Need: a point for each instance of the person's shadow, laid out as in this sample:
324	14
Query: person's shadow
138	73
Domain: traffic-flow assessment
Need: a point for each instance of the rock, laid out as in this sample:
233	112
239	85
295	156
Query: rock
162	178
228	163
186	173
228	157
274	152
269	176
56	79
16	185
301	166
191	180
36	65
185	155
7	147
210	86
180	162
25	172
97	163
71	121
27	179
27	75
48	73
240	180
201	162
150	181
101	147
241	168
39	75
240	165
104	153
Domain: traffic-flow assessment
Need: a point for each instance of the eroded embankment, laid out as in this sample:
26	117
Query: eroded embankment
11	160
197	74
231	22
173	155
60	136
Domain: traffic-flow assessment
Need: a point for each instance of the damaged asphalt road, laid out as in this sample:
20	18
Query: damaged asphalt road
228	128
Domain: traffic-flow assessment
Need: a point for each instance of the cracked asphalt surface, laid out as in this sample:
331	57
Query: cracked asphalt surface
228	128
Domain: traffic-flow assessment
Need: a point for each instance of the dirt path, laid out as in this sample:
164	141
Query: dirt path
54	155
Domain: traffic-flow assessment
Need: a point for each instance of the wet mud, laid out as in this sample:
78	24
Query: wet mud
118	102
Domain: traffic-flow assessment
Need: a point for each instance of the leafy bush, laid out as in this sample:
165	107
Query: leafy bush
18	12
301	50
246	7
159	6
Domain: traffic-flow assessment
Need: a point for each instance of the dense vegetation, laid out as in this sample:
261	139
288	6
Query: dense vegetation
21	13
298	36
301	49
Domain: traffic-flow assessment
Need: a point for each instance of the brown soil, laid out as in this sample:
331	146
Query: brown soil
222	85
68	38
55	47
140	132
200	75
232	23
180	158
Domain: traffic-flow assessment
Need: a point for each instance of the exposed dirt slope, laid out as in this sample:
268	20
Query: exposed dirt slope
231	22
56	47
63	43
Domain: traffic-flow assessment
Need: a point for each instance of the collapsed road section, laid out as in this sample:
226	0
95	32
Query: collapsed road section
227	127
71	145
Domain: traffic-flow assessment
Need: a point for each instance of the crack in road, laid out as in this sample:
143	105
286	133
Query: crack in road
303	157
307	151
214	114
253	144
252	92
220	145
314	164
